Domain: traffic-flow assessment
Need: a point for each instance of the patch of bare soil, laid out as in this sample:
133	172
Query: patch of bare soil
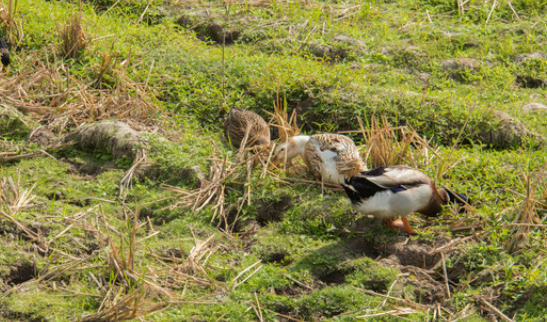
87	170
271	211
527	81
279	256
334	277
420	261
8	315
42	136
20	273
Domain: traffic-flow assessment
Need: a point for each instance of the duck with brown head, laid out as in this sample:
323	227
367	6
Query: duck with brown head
398	191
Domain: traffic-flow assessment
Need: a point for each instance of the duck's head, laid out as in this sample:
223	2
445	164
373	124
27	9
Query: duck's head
455	198
5	60
290	149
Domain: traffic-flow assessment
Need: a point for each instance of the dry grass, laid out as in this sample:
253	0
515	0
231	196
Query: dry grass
13	197
73	41
388	145
13	200
13	27
48	93
129	307
211	191
526	211
285	126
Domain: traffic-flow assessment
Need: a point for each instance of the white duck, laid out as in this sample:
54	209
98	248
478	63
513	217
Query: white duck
387	192
331	157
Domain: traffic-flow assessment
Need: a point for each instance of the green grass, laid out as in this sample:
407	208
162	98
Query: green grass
316	257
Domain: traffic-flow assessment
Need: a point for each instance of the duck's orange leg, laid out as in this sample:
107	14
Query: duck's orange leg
395	224
407	227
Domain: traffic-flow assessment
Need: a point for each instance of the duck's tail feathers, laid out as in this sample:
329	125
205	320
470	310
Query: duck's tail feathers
4	52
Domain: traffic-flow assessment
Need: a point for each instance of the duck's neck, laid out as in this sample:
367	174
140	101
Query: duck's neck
298	144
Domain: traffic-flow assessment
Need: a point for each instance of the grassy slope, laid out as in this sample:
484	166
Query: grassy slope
314	240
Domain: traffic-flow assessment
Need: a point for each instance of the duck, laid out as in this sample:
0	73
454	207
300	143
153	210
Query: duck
4	53
240	122
332	158
398	191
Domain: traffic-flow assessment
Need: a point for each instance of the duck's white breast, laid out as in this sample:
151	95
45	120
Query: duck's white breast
387	204
324	162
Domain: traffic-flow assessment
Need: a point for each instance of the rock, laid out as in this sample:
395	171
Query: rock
534	108
323	51
117	137
457	67
460	64
348	40
510	132
519	59
211	27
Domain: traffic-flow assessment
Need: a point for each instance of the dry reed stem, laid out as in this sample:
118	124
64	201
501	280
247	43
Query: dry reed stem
404	301
234	283
495	310
73	40
127	180
132	306
526	216
13	198
286	126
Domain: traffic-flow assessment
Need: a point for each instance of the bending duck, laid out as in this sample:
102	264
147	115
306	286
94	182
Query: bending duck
240	122
387	192
331	157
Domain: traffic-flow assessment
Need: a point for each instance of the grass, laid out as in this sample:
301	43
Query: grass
269	246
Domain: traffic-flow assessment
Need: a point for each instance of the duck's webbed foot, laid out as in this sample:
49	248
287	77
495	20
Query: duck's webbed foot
395	224
407	227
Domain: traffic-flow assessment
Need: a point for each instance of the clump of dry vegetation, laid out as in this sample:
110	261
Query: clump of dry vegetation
73	41
49	92
13	27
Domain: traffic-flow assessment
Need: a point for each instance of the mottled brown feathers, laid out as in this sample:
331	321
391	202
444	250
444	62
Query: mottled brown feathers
348	161
239	122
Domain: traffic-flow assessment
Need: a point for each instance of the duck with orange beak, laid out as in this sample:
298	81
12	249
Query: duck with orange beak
331	157
398	191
